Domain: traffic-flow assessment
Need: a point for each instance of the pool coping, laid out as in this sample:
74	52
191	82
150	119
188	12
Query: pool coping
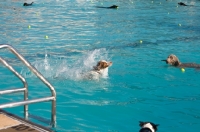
21	123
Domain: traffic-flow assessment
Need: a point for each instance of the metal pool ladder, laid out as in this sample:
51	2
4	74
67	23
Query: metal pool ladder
26	101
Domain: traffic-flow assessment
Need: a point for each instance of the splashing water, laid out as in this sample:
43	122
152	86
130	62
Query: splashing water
66	68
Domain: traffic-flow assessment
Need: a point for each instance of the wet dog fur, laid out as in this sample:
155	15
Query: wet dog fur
174	61
148	127
100	70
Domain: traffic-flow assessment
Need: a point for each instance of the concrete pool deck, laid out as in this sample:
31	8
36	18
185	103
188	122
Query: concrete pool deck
13	123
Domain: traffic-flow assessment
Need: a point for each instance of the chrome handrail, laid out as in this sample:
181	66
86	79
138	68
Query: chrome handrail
39	75
25	89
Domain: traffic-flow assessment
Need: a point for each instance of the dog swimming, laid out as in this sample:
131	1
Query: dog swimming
174	61
110	7
148	127
26	4
100	70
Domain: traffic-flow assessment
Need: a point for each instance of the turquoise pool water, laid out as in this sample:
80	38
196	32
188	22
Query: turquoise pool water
139	88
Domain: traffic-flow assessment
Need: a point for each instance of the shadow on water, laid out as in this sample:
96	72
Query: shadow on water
153	43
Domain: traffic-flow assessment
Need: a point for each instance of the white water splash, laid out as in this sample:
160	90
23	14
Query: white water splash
67	68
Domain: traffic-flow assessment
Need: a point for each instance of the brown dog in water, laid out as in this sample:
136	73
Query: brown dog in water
174	61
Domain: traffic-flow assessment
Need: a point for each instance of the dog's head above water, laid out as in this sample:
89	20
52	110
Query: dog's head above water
98	71
148	127
102	65
172	60
101	69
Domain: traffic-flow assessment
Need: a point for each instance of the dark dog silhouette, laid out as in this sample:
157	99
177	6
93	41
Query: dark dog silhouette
26	4
182	4
111	7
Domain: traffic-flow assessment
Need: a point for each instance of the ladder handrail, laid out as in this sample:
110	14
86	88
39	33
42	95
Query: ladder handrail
38	74
15	72
31	101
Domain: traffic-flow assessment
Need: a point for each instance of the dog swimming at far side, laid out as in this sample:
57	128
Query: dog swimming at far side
26	4
110	7
182	4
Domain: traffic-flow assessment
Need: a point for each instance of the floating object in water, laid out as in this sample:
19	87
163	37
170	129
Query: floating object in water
140	41
182	69
47	37
179	24
29	26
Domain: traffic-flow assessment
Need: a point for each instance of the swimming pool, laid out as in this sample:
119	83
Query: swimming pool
139	88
